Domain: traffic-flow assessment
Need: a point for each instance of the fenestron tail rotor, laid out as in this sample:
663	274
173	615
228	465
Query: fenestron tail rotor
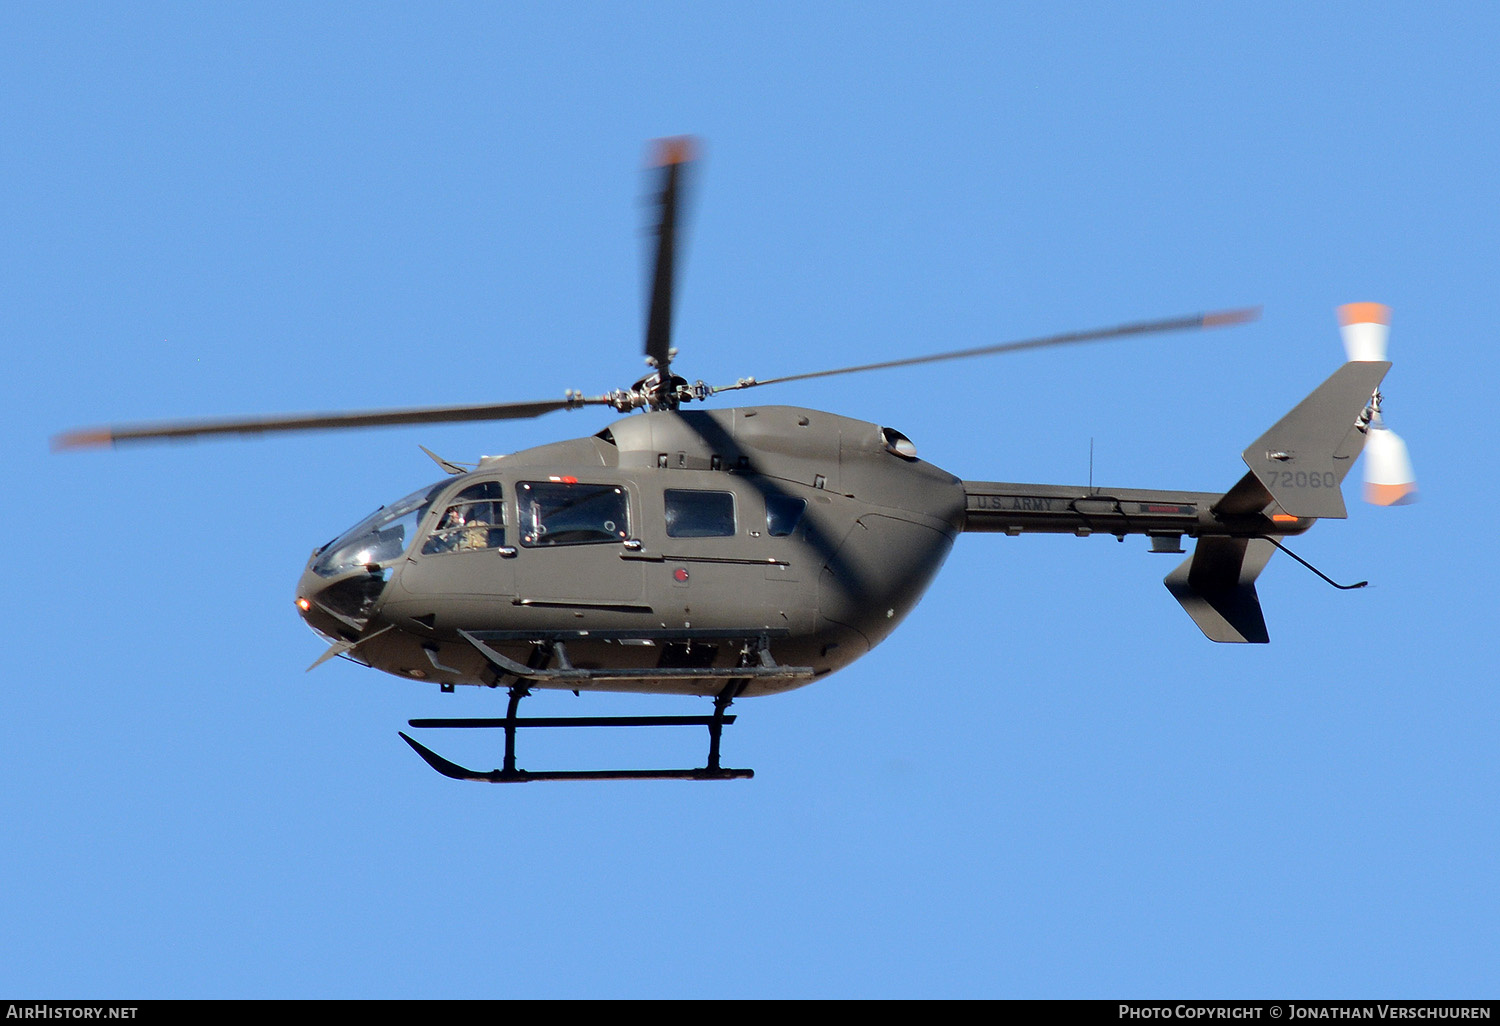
1389	477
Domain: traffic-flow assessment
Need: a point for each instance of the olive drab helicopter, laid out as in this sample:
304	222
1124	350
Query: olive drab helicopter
729	553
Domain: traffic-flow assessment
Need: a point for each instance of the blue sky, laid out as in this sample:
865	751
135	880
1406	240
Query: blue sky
1046	783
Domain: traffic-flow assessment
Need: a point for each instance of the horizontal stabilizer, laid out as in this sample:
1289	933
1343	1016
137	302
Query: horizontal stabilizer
1303	459
1216	585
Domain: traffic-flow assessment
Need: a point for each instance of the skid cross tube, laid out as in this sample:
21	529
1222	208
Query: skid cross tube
517	692
718	719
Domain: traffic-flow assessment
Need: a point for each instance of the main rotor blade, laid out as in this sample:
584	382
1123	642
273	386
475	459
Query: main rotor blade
1215	319
672	156
92	437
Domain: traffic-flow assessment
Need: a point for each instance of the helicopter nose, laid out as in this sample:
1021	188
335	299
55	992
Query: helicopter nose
340	607
311	611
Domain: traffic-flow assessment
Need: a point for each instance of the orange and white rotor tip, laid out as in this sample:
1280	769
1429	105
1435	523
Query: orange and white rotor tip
1389	477
1365	327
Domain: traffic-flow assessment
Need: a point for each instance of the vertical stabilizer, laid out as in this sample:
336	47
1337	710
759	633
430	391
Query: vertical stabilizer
1216	585
1302	460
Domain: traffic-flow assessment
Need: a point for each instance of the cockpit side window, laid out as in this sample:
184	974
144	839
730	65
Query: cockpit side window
698	514
474	520
783	513
572	513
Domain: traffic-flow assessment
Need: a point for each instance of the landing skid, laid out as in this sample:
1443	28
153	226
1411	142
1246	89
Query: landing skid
520	776
755	664
510	774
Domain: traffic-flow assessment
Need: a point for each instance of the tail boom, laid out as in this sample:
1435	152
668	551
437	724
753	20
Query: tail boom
1297	469
994	507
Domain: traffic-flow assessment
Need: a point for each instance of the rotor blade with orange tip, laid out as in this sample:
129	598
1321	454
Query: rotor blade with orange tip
107	436
1389	477
1214	319
1365	328
672	156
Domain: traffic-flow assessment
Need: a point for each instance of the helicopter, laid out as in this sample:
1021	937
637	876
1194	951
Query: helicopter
729	553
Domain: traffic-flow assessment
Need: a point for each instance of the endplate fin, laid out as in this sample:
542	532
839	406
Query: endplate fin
1303	458
1216	586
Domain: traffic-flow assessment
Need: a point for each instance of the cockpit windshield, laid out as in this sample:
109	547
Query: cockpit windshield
380	537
